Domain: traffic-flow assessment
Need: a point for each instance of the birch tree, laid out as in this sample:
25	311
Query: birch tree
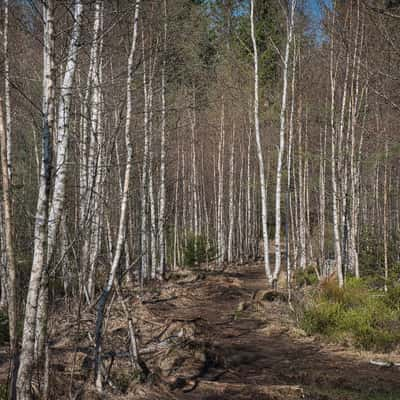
91	160
40	243
9	240
290	27
336	231
123	208
58	198
5	141
259	149
161	217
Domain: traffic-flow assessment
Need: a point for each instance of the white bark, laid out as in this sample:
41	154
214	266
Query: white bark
289	209
206	212
7	100
9	287
194	191
220	221
123	210
161	217
144	183
336	230
301	197
385	218
354	165
322	172
176	209
240	234
57	202
91	200
9	242
290	27
231	214
259	150
39	250
248	200
152	202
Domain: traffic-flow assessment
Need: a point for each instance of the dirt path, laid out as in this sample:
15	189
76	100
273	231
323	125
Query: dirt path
259	354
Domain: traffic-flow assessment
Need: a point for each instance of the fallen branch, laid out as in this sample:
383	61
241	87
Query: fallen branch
287	392
159	300
381	363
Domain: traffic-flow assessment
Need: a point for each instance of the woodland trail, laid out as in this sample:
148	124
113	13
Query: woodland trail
258	353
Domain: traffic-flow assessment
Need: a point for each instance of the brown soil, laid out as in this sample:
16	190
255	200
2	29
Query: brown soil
208	335
259	354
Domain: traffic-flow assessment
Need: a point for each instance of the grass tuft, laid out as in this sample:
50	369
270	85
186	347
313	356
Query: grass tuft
369	319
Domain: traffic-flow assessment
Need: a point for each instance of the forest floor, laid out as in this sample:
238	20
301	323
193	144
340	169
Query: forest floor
208	335
258	353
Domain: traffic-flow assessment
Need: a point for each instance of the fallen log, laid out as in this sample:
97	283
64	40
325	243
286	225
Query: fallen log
265	392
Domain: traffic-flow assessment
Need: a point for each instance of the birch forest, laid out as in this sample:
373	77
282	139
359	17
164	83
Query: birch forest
200	199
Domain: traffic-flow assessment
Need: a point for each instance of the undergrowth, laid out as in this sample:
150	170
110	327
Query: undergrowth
4	332
367	318
305	277
197	250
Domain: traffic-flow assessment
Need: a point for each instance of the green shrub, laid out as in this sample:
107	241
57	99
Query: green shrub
322	318
369	319
124	379
363	327
197	250
306	277
3	391
371	257
392	297
330	291
4	329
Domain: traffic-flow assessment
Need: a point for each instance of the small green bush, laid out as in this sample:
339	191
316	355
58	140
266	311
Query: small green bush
3	391
392	298
369	319
4	329
322	318
306	277
330	291
197	250
124	379
371	257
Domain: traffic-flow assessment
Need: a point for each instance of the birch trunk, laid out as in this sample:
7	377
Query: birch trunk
290	26
57	202
220	222
322	172
336	230
175	258
385	217
259	150
152	202
40	243
7	100
354	164
231	201
301	195
240	234
90	207
144	183
123	210
248	200
289	211
6	168
161	217
11	267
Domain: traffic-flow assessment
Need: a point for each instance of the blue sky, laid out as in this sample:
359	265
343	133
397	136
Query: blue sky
315	11
314	7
